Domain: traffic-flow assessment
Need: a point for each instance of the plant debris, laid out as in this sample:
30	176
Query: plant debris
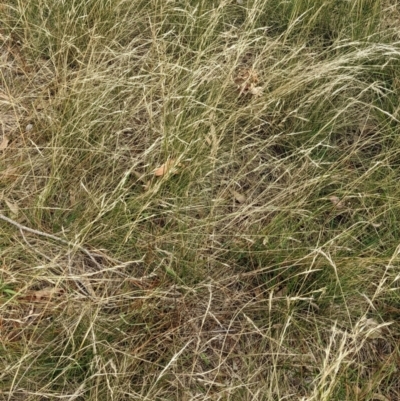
4	143
167	167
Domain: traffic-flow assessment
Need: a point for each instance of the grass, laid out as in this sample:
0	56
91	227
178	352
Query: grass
264	263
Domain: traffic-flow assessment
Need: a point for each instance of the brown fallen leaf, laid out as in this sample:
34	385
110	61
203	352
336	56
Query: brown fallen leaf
4	143
165	168
44	295
238	196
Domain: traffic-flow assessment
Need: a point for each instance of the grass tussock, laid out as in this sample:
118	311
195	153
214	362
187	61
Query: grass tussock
261	261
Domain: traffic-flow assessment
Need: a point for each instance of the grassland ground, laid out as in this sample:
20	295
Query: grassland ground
199	200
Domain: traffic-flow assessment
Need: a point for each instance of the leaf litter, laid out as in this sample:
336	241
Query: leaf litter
167	167
4	143
240	198
12	206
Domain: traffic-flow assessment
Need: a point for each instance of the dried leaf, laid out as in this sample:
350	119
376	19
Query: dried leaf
238	196
44	294
246	80
12	206
4	143
246	76
256	90
337	202
165	168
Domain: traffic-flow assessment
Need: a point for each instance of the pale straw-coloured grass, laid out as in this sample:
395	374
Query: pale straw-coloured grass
199	200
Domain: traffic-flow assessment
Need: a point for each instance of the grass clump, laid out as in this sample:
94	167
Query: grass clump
260	262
